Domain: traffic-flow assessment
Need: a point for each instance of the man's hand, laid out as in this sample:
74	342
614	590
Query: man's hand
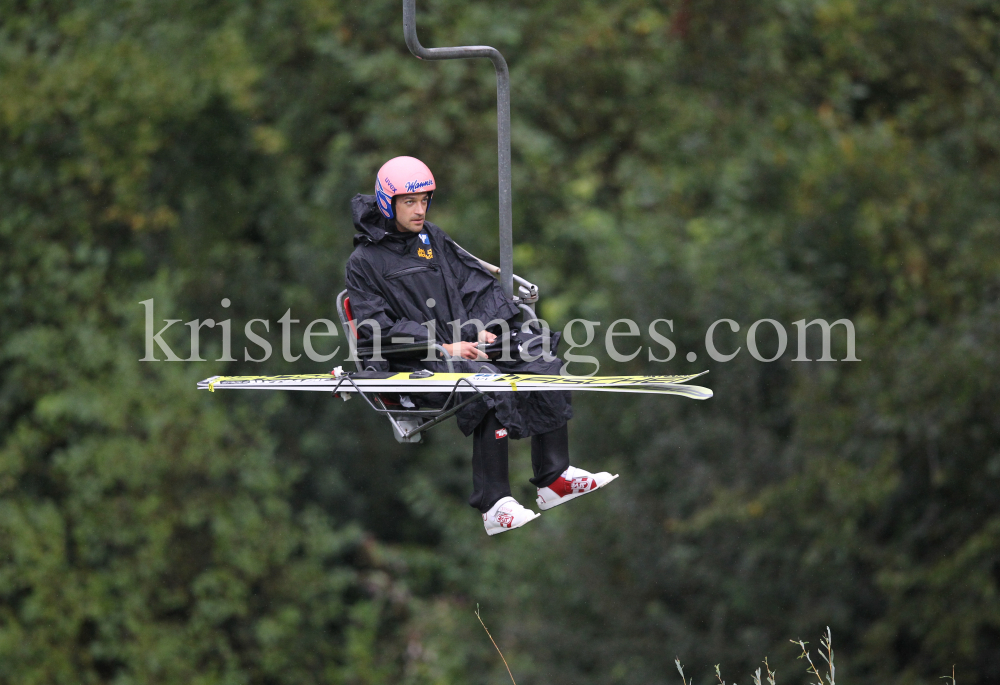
465	350
486	337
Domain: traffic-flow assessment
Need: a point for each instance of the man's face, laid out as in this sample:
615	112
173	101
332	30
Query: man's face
411	210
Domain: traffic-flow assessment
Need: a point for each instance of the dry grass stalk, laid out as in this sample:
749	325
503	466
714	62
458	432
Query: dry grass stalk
680	669
826	643
494	644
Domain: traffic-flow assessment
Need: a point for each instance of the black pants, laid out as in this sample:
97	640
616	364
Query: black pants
490	479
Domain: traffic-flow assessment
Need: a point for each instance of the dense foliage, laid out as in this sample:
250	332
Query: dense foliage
690	160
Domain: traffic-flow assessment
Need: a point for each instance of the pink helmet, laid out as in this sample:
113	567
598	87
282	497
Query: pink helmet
401	176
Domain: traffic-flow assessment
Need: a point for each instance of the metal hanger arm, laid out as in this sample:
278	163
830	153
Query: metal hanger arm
503	128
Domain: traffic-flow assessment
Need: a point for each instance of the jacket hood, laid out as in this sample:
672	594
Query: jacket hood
368	220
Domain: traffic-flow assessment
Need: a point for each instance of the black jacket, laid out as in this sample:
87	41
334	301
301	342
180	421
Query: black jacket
403	280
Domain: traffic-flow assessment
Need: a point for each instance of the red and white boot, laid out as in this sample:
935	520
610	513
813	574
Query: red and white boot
506	515
571	484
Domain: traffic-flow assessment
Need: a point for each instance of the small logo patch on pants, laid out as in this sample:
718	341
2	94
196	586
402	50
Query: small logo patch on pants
502	433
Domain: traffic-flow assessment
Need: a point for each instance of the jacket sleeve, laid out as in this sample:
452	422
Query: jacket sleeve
481	294
367	304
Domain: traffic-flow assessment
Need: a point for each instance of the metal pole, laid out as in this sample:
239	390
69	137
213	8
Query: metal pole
503	128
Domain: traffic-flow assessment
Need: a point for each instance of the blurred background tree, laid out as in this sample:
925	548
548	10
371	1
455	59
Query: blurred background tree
689	159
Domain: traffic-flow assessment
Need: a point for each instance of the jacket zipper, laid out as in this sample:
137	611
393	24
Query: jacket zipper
409	270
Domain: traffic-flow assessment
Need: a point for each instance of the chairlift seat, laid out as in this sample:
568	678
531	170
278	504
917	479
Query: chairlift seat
408	425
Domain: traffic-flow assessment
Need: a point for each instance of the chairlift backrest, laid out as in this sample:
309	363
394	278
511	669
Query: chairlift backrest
348	324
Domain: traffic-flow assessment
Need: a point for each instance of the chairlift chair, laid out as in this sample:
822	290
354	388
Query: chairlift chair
408	424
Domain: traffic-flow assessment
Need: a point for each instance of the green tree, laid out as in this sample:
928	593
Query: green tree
691	160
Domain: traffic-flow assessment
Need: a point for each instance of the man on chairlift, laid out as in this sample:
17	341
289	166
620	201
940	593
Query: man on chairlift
411	279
